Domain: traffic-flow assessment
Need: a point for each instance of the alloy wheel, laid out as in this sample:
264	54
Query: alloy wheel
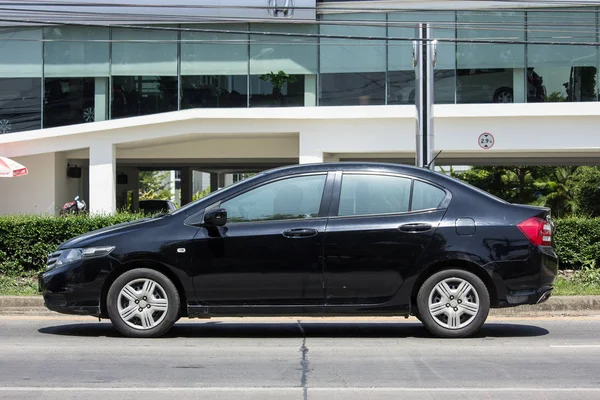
5	126
453	303
505	97
142	304
89	114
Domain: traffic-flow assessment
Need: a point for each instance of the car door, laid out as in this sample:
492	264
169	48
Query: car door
380	226
271	249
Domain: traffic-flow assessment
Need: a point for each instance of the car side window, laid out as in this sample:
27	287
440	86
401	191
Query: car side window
426	196
374	194
291	198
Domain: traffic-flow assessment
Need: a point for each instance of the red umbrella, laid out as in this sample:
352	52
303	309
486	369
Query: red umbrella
10	168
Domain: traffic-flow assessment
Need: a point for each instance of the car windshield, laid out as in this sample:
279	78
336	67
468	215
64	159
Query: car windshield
211	195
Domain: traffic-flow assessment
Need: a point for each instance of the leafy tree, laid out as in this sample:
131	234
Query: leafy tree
200	194
557	191
586	191
154	186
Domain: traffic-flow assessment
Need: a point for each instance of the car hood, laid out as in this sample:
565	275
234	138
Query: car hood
102	234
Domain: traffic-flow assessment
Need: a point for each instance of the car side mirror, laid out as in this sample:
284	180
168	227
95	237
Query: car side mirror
216	217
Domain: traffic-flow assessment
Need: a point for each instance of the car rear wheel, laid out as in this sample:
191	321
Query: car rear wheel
453	303
143	303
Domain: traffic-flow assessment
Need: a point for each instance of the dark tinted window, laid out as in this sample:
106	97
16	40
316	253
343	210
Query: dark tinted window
292	198
426	196
20	104
374	194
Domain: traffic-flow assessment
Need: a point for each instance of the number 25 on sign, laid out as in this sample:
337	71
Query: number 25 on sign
486	140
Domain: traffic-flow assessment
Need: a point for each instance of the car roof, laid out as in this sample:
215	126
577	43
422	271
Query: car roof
353	165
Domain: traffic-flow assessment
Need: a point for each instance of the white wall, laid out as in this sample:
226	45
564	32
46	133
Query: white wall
33	193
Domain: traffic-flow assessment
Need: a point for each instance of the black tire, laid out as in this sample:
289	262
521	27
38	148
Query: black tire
473	322
166	321
503	93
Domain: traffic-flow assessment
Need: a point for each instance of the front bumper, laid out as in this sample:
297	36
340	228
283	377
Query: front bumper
75	288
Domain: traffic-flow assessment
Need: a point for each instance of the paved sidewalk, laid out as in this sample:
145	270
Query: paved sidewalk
555	306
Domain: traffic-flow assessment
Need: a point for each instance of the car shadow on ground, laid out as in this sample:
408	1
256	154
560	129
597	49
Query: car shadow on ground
217	329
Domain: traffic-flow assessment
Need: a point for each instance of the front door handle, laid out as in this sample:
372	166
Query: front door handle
300	233
417	227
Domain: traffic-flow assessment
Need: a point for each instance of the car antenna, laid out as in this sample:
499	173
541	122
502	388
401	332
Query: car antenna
431	162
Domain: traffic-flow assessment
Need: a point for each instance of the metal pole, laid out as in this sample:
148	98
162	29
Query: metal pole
424	62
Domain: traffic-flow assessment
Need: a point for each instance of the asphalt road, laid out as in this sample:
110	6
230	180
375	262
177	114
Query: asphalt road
80	358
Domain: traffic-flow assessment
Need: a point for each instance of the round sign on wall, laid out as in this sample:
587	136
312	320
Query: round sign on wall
486	140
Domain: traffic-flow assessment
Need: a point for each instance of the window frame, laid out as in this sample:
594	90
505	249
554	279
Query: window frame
323	206
337	191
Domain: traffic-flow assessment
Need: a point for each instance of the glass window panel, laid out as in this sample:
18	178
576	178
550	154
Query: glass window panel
265	91
562	72
490	73
374	194
292	55
81	54
20	104
21	50
349	89
68	101
216	91
144	51
426	196
293	198
351	55
143	95
353	71
490	25
212	53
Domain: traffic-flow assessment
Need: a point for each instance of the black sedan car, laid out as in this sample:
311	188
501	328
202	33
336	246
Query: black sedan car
328	239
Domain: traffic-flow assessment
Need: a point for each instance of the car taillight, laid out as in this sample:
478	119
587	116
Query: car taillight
537	230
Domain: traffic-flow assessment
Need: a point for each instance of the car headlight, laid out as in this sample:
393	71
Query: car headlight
72	255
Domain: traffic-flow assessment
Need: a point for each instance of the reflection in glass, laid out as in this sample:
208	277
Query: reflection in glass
20	104
143	95
348	89
401	87
68	101
272	90
216	91
567	72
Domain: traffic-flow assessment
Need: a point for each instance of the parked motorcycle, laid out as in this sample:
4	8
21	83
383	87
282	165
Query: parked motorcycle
76	206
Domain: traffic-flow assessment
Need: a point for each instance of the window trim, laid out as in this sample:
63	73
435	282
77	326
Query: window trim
336	196
323	206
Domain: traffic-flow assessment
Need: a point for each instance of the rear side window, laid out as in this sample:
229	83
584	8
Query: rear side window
374	194
426	196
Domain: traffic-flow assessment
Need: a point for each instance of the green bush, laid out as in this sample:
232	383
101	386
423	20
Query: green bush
26	240
577	242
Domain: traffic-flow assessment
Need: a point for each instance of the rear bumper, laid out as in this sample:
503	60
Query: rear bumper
526	282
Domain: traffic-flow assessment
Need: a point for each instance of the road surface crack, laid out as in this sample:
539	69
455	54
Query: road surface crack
304	362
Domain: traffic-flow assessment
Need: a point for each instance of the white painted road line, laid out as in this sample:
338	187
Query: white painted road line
576	346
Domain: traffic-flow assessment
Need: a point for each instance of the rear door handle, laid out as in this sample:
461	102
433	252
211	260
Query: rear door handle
416	227
300	233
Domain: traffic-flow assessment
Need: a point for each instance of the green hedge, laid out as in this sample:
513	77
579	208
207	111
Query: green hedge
25	241
577	242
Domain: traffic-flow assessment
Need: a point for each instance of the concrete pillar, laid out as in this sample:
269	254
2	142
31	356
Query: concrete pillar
228	179
310	90
187	184
101	99
102	178
309	149
519	85
214	181
135	199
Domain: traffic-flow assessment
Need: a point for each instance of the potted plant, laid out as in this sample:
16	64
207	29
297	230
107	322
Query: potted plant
277	80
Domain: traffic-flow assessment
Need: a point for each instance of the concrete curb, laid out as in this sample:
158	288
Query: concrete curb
557	305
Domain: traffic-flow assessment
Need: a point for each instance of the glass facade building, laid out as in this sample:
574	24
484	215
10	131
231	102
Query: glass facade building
62	75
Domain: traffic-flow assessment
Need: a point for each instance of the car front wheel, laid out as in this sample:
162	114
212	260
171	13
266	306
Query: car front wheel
143	303
453	303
